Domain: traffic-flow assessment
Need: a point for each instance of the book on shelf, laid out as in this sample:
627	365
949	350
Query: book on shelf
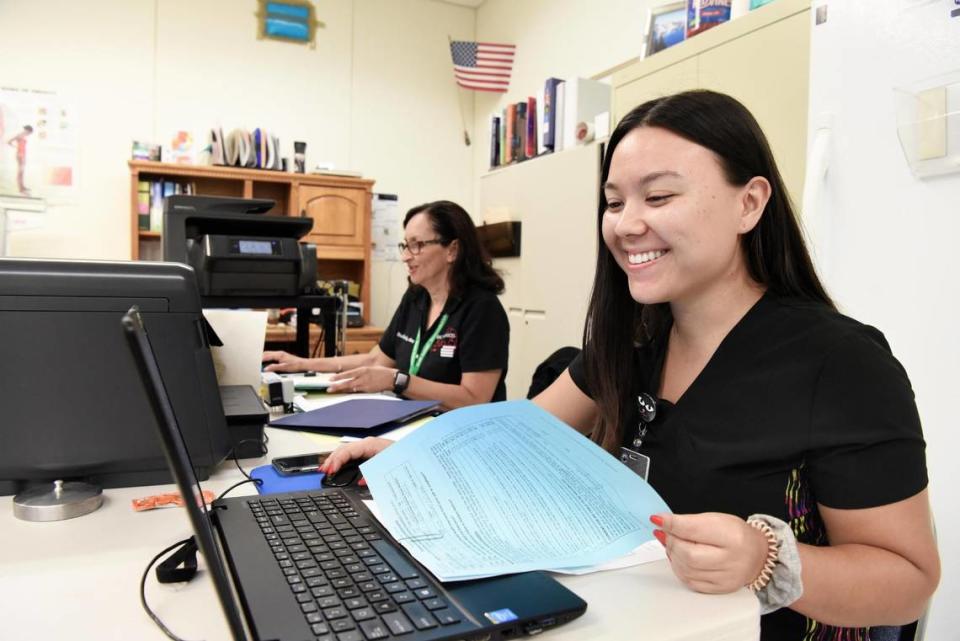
520	133
495	141
511	119
143	205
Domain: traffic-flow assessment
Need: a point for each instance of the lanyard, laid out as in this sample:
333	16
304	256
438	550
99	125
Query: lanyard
416	358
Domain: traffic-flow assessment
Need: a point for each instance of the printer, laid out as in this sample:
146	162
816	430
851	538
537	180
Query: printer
237	250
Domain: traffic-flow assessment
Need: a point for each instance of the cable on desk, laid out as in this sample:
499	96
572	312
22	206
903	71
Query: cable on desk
143	590
236	446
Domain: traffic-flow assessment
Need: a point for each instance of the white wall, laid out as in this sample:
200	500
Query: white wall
375	95
886	241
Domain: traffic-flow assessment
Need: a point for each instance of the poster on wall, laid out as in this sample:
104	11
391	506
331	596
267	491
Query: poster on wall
38	145
386	229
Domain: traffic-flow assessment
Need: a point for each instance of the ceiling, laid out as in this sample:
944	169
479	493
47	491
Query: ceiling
465	3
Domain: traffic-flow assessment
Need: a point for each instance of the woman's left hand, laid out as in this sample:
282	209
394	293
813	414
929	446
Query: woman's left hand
372	379
711	552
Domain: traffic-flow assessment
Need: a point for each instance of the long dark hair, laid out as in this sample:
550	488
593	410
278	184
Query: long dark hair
473	266
775	253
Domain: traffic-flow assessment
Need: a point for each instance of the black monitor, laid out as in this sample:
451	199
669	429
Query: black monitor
72	405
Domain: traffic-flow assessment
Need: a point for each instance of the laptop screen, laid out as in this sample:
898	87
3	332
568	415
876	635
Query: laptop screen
178	459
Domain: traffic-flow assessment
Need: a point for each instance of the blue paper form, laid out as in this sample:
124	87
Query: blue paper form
507	487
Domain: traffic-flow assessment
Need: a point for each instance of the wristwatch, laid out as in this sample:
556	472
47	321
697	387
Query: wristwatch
400	381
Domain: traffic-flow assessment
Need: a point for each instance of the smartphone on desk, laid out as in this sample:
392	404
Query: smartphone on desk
287	465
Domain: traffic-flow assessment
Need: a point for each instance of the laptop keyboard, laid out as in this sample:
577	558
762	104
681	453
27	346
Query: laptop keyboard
350	582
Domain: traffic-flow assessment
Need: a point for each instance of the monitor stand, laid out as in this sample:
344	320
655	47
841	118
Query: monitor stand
58	502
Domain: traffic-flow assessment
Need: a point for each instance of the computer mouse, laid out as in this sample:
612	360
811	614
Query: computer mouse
348	474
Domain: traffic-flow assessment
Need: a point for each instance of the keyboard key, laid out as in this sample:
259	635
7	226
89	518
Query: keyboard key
425	593
387	577
374	629
315	617
435	604
308	607
447	617
322	591
362	614
396	586
348	593
341	625
294	579
355	602
398	623
384	606
403	597
328	602
320	628
316	581
376	595
297	588
413	584
369	586
393	558
352	635
419	615
379	568
335	613
304	597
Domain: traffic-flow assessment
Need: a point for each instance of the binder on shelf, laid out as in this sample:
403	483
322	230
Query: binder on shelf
143	205
583	100
530	150
559	116
550	112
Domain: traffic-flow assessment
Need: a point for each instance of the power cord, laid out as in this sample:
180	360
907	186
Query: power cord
190	541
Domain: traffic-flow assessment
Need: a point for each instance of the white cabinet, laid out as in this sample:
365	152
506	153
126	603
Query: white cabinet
548	287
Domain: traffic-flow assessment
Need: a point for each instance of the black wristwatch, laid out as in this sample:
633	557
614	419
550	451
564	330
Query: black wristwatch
400	381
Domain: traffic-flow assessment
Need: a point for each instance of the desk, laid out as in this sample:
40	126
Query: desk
79	580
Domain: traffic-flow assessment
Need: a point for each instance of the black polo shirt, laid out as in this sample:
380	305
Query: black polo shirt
799	406
475	339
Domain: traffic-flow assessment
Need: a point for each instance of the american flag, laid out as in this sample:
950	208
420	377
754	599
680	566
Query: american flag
482	66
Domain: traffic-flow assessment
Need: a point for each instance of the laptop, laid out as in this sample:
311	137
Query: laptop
317	565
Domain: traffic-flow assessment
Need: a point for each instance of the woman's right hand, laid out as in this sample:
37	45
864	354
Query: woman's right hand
362	449
285	362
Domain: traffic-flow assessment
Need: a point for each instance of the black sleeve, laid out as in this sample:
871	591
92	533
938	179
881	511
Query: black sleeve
484	336
866	444
579	375
388	342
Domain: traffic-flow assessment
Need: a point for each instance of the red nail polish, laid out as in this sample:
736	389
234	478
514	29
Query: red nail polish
661	536
657	520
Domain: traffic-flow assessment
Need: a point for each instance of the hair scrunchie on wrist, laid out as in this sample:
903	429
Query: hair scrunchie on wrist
780	582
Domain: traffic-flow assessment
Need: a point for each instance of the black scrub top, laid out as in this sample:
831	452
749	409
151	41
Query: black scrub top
475	339
799	406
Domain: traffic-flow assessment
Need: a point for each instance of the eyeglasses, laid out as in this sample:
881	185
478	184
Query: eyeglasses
417	246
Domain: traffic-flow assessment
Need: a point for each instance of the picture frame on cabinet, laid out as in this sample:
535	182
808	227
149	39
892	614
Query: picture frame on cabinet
666	26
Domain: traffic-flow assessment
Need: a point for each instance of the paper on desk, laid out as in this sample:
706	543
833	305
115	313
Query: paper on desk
397	434
316	401
506	487
242	332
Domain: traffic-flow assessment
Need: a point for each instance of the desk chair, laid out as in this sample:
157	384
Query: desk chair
548	371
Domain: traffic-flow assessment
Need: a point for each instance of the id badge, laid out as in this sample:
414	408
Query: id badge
639	463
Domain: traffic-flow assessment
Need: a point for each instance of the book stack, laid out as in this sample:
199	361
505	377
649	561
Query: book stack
150	195
241	148
548	122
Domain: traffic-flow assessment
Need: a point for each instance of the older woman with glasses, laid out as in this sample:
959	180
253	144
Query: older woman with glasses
448	339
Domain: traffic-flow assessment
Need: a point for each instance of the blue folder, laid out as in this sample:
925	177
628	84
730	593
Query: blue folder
357	417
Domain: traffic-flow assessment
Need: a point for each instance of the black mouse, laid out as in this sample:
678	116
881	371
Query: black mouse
348	474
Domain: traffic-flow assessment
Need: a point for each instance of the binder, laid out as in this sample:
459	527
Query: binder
550	112
358	417
495	141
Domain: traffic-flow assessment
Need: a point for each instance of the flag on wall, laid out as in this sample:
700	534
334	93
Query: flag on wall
482	66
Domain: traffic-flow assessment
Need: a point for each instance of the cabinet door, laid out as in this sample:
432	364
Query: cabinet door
780	103
338	214
671	79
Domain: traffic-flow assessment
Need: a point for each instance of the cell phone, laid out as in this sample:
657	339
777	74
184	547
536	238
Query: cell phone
288	465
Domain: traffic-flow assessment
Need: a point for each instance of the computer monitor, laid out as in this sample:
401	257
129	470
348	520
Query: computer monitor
72	405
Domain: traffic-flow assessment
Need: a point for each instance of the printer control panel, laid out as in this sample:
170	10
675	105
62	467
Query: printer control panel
255	247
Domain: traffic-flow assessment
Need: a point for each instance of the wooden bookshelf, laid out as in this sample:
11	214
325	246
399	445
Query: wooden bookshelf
338	205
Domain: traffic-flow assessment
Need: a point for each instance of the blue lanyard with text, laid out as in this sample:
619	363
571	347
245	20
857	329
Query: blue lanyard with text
416	358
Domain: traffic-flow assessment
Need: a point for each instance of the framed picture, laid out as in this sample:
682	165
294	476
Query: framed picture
666	26
292	21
